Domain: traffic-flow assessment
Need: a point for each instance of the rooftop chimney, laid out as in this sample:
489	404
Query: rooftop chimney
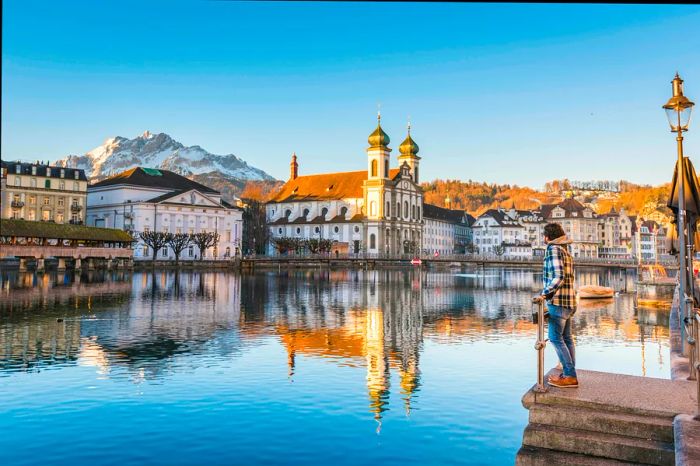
293	167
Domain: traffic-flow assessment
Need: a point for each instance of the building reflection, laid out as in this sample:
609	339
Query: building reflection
355	318
147	325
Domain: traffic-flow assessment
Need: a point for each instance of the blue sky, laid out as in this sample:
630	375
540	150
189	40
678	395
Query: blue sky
501	93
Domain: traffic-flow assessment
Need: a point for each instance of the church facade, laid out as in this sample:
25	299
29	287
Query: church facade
378	210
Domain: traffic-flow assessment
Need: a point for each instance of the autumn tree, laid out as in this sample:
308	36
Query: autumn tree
154	240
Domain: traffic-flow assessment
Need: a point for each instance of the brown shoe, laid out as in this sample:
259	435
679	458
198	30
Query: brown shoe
564	382
555	377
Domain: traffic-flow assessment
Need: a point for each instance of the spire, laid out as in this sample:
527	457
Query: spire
379	138
293	167
409	147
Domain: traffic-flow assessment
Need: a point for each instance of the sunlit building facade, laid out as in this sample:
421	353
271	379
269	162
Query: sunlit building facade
40	192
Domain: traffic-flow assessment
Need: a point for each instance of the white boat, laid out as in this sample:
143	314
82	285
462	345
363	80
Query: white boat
595	292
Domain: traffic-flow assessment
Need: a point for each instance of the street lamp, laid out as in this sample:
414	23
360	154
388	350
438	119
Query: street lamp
678	110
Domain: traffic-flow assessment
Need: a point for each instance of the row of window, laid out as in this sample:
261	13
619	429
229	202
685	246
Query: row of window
62	174
45	216
317	230
31	200
47	184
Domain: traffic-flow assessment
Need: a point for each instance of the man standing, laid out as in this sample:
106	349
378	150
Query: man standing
560	295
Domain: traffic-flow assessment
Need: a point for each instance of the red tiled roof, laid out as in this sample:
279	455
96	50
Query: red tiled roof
340	185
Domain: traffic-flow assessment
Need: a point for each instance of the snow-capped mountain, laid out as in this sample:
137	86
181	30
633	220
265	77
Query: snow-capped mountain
160	151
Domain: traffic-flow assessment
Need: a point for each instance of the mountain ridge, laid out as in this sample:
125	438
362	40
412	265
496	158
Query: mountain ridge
160	150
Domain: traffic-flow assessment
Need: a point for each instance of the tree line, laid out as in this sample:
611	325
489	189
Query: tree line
178	242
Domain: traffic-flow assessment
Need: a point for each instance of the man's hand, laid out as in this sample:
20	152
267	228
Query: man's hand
538	298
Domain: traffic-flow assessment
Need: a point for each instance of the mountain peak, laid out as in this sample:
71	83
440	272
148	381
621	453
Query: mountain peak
159	150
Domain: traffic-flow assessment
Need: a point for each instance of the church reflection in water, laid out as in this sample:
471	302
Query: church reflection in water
145	325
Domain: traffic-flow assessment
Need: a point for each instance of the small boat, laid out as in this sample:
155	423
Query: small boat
595	292
416	261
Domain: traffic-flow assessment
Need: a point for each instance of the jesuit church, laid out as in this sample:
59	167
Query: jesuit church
377	210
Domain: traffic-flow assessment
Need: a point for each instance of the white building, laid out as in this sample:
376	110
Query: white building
143	199
649	241
615	234
495	227
377	210
440	229
580	223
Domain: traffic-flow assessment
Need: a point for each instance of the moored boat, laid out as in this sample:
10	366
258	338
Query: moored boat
595	292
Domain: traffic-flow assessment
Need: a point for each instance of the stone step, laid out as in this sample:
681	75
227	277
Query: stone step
629	425
529	456
602	445
622	394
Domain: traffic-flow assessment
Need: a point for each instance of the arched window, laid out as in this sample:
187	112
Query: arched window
418	212
343	211
398	209
373	208
386	168
306	212
287	213
374	168
388	208
372	241
413	212
415	174
324	212
47	184
405	209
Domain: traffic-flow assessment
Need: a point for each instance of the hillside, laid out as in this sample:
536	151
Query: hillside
475	197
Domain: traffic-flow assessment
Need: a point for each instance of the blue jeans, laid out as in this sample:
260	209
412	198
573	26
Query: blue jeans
560	337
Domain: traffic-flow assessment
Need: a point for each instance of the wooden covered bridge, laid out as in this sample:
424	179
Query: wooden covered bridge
32	243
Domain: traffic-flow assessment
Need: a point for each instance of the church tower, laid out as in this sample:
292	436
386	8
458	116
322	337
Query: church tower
409	154
375	188
378	153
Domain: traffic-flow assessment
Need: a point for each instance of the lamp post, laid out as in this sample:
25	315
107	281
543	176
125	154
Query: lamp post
678	110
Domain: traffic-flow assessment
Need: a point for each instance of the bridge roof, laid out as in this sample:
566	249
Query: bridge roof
50	230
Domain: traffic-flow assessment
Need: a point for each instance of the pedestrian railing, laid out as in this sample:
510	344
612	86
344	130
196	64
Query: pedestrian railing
694	359
539	346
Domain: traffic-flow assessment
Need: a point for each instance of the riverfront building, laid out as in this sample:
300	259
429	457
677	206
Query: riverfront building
40	192
579	222
615	234
496	228
378	210
446	231
145	199
649	240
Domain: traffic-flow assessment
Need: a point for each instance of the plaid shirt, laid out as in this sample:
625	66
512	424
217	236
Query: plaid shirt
558	276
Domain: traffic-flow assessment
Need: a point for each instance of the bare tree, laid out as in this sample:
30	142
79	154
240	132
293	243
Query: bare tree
204	241
154	240
256	233
498	249
178	242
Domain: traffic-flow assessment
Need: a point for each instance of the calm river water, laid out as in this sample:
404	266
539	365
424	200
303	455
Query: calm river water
310	367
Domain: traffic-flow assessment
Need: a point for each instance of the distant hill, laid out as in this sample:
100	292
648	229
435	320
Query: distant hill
476	198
